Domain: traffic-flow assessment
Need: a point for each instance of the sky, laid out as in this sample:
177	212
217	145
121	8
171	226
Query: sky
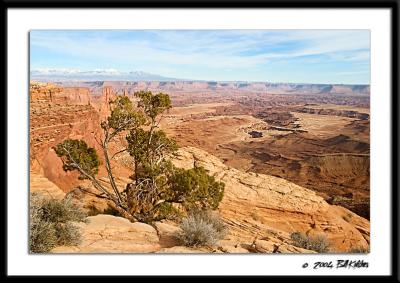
296	56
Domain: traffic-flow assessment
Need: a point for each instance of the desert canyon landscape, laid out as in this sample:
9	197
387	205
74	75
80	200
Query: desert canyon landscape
294	158
199	141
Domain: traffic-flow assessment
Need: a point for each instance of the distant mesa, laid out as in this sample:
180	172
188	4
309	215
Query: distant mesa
148	80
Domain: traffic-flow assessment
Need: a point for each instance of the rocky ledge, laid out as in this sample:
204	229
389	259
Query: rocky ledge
261	212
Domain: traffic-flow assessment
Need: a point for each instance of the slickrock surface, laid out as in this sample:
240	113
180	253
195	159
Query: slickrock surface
43	186
110	234
260	211
254	203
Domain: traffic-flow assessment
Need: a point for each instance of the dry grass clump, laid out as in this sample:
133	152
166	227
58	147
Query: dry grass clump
318	243
50	223
359	250
201	228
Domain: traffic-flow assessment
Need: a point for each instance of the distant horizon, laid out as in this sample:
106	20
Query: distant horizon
298	56
49	78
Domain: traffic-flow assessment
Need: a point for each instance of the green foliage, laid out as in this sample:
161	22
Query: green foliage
145	194
166	184
77	155
50	224
166	210
194	187
149	146
318	243
153	104
124	115
157	184
201	228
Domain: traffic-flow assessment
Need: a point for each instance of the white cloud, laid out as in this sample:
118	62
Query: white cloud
230	49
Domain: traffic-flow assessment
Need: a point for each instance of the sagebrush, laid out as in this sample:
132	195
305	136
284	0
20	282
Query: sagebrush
201	228
318	243
51	224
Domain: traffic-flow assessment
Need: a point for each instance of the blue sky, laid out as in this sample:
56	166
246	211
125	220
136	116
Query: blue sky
299	56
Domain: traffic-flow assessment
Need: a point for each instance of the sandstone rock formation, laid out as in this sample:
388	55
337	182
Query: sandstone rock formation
254	203
43	186
110	234
261	211
74	95
53	121
53	93
50	124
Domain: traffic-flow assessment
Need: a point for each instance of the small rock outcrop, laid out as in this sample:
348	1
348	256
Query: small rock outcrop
111	234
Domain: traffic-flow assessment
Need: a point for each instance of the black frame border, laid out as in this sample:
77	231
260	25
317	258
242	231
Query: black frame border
393	5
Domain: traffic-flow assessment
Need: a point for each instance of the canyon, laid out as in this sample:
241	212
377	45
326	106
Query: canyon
293	158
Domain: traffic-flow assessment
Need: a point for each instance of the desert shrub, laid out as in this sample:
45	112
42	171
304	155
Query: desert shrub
42	233
318	243
201	228
50	223
196	189
61	211
110	210
93	211
42	236
166	210
79	153
359	250
67	234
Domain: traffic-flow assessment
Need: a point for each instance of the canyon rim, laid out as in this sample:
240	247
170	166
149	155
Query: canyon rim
199	141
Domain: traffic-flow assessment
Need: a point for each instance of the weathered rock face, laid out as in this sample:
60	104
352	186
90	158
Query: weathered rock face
74	95
52	123
52	93
101	103
43	91
110	234
255	203
66	114
260	211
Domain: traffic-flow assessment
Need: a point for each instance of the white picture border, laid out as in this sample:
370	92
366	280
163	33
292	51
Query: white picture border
21	21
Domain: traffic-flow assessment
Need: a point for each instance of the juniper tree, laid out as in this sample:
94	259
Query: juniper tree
156	183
